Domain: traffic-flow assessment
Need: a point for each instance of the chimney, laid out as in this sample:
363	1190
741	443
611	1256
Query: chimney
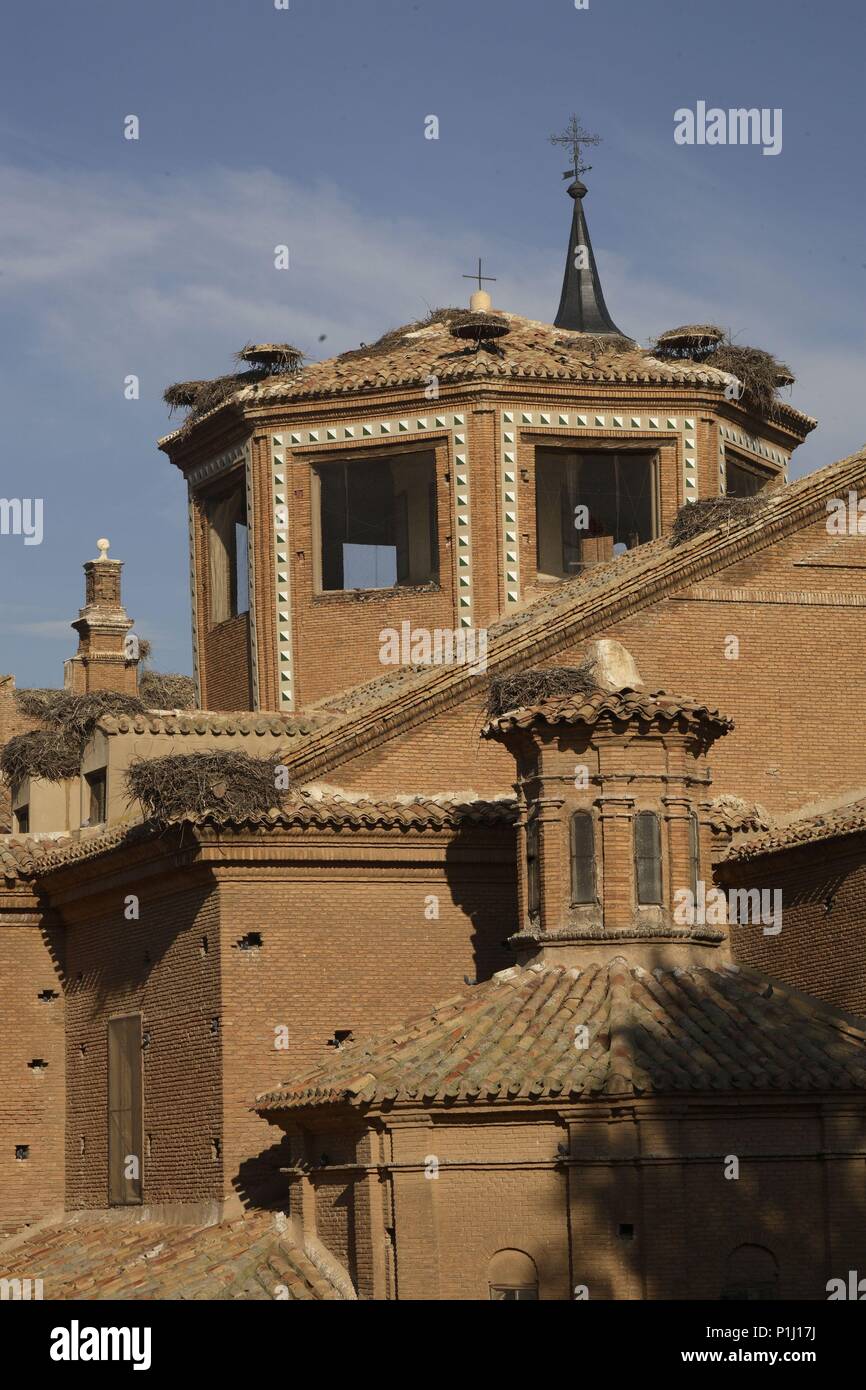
614	822
104	660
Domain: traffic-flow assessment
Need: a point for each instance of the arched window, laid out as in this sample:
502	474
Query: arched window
752	1274
648	857
512	1275
533	895
582	858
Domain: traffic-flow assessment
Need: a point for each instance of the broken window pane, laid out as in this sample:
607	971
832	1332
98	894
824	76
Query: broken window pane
587	503
378	522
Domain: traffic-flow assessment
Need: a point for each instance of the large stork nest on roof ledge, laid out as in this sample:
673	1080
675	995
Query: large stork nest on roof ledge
760	375
709	513
167	690
53	752
527	688
230	783
263	360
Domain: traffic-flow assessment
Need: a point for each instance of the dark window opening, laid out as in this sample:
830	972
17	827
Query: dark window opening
22	820
648	857
582	858
625	1230
694	854
341	1035
591	506
228	555
38	1064
250	942
378	523
744	479
22	1152
47	995
96	785
533	887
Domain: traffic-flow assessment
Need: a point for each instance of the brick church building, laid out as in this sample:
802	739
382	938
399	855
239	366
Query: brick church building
534	963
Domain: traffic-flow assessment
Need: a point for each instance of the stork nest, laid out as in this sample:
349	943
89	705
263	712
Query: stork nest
273	358
760	374
232	784
527	688
692	340
167	690
479	326
708	513
53	753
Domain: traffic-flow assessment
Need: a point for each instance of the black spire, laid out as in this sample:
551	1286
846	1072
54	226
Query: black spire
581	305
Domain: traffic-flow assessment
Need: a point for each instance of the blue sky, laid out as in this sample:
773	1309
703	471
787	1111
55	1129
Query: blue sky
305	126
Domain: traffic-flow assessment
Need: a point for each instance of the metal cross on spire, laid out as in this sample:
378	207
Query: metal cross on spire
479	277
575	136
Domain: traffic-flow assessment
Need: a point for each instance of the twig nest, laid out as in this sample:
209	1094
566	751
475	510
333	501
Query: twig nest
271	357
182	395
691	340
479	328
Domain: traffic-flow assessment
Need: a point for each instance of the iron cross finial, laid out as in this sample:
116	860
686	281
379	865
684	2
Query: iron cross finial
479	277
575	136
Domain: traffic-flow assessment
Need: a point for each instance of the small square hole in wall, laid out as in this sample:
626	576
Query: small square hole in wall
204	948
341	1035
625	1230
251	942
22	1152
82	1050
47	996
214	1025
38	1064
216	1148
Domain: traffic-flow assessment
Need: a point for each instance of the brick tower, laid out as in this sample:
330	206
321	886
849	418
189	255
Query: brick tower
104	660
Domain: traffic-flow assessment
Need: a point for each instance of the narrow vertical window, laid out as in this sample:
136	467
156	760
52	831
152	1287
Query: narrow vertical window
648	857
533	894
582	858
694	853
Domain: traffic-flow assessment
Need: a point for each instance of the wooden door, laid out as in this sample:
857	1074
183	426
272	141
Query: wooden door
125	1157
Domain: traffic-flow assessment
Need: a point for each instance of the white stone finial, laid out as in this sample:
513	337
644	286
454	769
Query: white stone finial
102	546
480	302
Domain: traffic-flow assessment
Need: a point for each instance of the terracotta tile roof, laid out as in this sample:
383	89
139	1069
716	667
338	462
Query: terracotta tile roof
623	705
530	351
21	856
93	1258
310	808
689	1029
191	722
849	819
317	807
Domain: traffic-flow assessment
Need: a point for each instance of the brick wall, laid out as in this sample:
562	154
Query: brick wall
346	945
773	604
31	1029
821	948
662	1223
227	656
157	966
